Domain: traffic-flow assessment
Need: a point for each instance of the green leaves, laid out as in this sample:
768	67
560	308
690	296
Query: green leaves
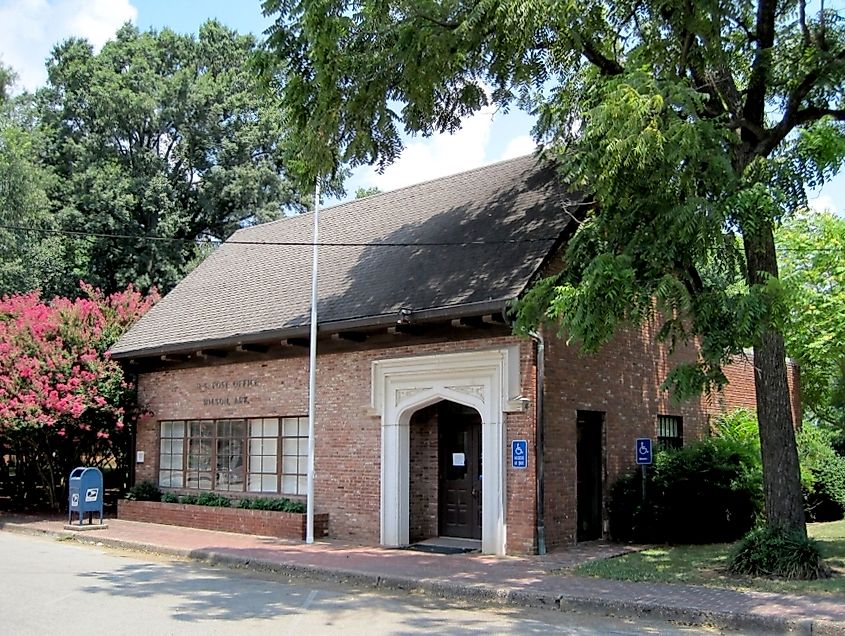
25	257
160	135
812	255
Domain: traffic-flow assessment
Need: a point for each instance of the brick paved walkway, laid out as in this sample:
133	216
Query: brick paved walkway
532	581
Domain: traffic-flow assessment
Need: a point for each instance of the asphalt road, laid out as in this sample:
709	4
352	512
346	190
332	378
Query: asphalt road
59	587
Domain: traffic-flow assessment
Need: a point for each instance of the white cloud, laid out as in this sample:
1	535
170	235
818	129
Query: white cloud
438	155
29	29
821	203
519	146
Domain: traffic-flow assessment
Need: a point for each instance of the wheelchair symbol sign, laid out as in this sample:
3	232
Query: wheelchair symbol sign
643	450
519	453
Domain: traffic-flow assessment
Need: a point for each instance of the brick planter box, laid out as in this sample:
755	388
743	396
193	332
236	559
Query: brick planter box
284	525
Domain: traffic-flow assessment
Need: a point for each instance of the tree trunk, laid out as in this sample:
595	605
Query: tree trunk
781	472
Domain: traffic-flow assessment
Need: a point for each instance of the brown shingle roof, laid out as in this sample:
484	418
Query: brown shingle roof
515	209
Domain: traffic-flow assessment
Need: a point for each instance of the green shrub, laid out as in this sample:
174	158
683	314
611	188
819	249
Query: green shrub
822	467
628	518
220	501
767	551
214	500
144	491
822	475
740	427
280	505
706	492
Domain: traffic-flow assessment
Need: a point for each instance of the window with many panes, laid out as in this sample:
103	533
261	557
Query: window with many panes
670	431
171	465
294	454
267	455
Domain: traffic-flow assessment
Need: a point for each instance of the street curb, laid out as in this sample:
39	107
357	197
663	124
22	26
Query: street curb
474	593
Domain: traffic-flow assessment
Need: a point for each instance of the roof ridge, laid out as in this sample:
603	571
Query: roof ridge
379	194
432	180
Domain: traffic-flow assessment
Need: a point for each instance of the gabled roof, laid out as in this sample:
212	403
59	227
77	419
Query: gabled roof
449	247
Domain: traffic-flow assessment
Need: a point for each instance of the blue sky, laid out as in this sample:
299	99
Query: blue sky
29	29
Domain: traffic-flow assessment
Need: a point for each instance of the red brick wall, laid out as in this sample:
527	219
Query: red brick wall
521	495
284	525
622	381
741	392
348	436
424	474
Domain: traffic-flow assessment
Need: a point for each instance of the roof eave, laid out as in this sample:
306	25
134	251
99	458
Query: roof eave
326	328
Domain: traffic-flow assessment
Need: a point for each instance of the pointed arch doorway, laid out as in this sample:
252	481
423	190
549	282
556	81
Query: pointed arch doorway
480	380
445	472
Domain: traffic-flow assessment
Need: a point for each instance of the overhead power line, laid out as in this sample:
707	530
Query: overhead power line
169	239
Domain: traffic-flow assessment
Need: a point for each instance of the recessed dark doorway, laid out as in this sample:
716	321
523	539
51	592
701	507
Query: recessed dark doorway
459	445
590	460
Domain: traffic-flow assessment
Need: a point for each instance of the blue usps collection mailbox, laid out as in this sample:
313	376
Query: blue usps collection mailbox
85	493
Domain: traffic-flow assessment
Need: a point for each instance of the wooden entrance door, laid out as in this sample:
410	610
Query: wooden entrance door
460	472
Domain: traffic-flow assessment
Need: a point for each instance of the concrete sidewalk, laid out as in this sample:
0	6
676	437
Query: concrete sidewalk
524	581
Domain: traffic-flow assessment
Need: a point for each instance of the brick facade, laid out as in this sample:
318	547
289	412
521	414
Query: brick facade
622	382
740	390
348	437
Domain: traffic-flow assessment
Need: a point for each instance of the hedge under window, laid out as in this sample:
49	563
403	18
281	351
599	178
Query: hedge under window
267	455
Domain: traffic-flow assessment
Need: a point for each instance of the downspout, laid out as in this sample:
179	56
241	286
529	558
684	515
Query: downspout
540	436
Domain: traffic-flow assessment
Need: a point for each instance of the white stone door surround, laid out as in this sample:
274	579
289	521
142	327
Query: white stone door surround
484	380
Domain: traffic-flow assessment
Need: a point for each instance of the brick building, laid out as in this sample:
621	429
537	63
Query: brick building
423	393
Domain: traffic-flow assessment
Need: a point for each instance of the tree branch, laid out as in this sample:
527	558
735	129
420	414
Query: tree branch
813	113
755	100
451	26
793	104
740	123
606	65
802	19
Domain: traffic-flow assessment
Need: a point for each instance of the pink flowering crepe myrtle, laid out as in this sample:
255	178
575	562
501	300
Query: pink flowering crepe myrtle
55	375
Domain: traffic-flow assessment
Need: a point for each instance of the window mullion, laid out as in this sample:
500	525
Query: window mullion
185	444
280	462
214	456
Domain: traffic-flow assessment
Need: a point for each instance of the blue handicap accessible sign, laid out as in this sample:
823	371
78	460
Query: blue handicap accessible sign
519	453
643	451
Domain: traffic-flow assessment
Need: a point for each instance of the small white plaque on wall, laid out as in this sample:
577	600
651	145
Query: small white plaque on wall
139	457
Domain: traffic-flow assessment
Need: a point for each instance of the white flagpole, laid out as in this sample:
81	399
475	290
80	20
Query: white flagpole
312	373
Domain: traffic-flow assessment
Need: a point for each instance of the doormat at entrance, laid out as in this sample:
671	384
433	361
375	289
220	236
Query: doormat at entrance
440	549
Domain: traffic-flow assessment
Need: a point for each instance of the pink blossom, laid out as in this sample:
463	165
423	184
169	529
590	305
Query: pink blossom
53	365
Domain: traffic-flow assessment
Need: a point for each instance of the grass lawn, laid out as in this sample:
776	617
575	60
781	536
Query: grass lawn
705	565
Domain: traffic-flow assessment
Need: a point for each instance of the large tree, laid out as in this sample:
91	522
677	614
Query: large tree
693	125
158	135
26	257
